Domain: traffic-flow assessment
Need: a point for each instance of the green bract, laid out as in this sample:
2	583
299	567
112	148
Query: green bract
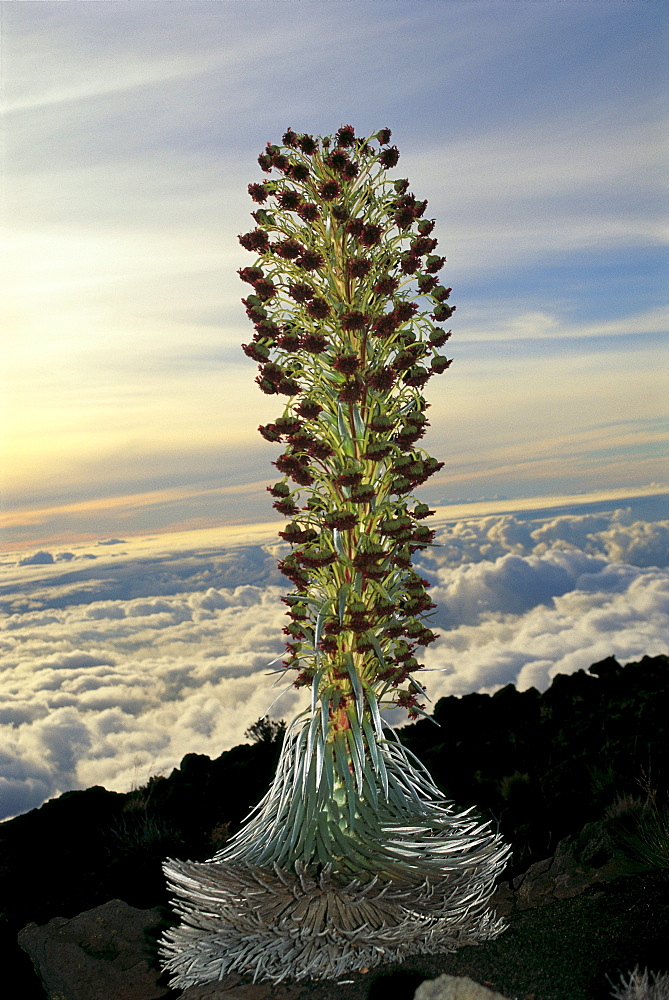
353	857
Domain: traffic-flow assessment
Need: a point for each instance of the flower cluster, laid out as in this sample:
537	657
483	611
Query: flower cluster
346	303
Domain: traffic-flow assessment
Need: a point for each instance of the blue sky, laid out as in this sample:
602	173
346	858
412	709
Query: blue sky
536	131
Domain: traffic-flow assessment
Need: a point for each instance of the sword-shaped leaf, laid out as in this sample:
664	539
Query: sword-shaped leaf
355	682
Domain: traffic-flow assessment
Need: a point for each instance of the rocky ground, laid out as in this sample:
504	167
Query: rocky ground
575	924
575	779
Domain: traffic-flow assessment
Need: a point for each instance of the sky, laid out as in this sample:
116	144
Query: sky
139	595
535	130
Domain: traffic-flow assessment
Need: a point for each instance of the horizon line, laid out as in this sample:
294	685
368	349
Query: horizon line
444	513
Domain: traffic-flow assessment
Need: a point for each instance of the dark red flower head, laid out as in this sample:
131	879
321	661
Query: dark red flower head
314	343
289	138
426	282
266	329
265	289
309	409
350	171
425	227
281	163
273	372
318	308
408	357
382	379
266	386
287	425
307	144
423	245
381	422
350	392
346	135
290	341
439	337
257	352
265	162
289	387
389	157
321	450
355	227
348	478
289	199
384	136
340	212
309	260
269	432
386	285
279	490
257	240
405	310
385	326
337	159
363	493
403	217
342	520
442	312
329	190
308	211
440	363
410	264
300	171
358	267
434	264
250	274
416	376
287	507
289	249
377	450
348	364
300	292
254	309
301	440
302	477
371	235
258	192
354	321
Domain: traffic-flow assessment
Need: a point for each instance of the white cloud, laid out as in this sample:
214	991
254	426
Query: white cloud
114	670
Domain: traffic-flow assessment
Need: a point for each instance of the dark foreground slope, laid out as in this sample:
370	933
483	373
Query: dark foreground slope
592	749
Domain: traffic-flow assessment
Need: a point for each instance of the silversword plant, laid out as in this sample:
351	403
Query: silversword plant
353	857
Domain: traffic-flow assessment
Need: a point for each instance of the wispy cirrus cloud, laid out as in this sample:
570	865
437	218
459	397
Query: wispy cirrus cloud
134	131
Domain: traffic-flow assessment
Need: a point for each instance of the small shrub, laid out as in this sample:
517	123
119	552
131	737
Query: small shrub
642	986
266	730
642	830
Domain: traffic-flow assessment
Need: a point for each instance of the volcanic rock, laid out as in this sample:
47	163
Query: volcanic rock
99	954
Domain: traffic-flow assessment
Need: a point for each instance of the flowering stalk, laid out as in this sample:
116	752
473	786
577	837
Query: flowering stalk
346	305
344	261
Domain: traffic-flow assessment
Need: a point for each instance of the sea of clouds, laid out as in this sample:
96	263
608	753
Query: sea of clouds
118	658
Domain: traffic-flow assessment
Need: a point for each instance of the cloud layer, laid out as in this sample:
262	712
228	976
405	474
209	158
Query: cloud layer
119	659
